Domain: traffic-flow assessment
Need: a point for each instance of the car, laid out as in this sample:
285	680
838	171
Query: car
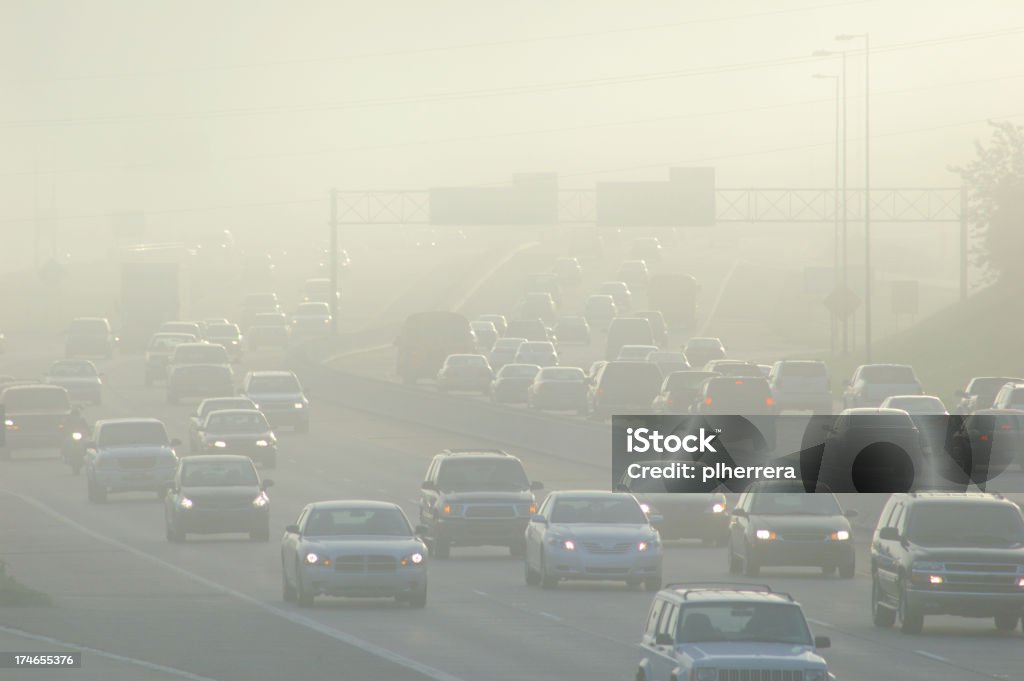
476	498
747	396
683	513
980	391
199	380
504	351
634	273
353	548
310	321
667	361
465	372
897	463
268	329
599	310
512	382
239	431
623	388
801	385
700	350
217	494
187	354
559	389
627	331
258	303
485	333
129	455
635	353
278	394
35	416
569	270
499	321
659	329
942	553
158	353
343	258
529	329
541	353
1010	396
196	329
90	336
915	404
729	632
982	445
198	417
734	367
572	330
229	336
592	535
679	391
648	248
619	291
79	377
319	291
780	524
872	383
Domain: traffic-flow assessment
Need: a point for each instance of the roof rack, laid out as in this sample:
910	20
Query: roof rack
687	587
473	450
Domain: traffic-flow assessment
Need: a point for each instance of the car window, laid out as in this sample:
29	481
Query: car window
803	370
669	621
954	524
603	510
754	622
274	384
236	422
387	522
222	331
88	327
206	406
481	474
219	474
654	617
887	374
518	371
72	369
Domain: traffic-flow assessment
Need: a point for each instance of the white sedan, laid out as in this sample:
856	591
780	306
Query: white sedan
353	548
592	535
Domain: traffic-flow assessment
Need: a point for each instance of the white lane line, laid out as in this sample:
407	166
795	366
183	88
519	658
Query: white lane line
152	666
549	616
932	656
295	618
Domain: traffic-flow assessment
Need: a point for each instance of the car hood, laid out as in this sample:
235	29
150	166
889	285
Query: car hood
362	545
491	497
780	523
753	654
605	531
224	492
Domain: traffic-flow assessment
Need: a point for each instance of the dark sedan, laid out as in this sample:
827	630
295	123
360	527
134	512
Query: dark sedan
217	495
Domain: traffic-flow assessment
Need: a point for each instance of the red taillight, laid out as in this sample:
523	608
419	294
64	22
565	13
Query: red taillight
1005	426
739	382
983	438
707	400
769	401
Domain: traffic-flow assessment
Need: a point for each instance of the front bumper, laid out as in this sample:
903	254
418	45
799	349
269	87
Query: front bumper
588	566
482	531
404	581
964	603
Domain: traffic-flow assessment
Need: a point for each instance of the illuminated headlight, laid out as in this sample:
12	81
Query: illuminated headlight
765	534
646	508
299	405
413	560
642	546
312	558
262	443
840	535
76	436
569	545
815	675
1020	582
185	503
255	406
260	501
705	674
718	508
8	422
936	579
220	444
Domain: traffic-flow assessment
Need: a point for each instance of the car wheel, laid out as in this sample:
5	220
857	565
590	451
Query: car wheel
848	569
652	584
547	581
531	576
911	620
287	590
1007	621
97	494
303	597
882	616
441	548
735	565
418	599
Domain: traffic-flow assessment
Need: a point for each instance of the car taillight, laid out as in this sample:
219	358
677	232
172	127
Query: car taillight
738	382
769	401
707	400
983	438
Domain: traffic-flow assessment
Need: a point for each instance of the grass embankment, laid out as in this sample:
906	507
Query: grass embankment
13	593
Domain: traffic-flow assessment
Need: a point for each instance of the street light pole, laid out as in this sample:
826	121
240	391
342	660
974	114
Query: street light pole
835	209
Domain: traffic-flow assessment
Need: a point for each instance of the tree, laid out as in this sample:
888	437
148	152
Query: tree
995	185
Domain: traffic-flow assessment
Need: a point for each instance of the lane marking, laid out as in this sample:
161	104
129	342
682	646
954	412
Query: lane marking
932	656
295	618
152	666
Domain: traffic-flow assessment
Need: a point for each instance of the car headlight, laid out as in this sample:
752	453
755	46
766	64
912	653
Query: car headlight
261	501
840	535
255	406
262	443
413	560
219	444
765	534
185	503
312	558
642	546
299	405
569	545
718	508
815	675
76	436
705	674
8	422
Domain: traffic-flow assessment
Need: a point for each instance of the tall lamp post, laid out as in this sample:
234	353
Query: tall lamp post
845	269
835	206
867	184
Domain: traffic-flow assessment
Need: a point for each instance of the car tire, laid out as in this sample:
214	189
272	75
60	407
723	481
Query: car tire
911	620
881	616
735	564
288	594
652	584
441	549
848	569
547	582
1007	621
530	576
97	494
303	597
418	599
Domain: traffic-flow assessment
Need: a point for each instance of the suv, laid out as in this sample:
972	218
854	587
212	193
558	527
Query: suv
728	631
801	384
1010	396
129	455
159	351
90	336
34	416
980	392
872	383
476	498
744	395
623	388
938	553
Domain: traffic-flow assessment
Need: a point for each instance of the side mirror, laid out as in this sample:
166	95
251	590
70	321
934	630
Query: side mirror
429	484
291	529
267	484
664	639
175	442
539	519
420	530
821	642
739	512
536	486
851	513
889	534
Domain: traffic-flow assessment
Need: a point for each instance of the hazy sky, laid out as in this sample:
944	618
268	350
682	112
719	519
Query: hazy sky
111	105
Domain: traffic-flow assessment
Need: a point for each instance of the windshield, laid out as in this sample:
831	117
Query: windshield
26	399
704	344
482	474
219	474
917	405
686	380
274	384
72	369
622	509
181	327
134	433
236	422
803	370
796	503
888	374
760	622
380	522
966	525
466	360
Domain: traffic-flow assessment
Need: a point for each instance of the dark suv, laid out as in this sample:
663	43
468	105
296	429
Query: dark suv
476	498
940	553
